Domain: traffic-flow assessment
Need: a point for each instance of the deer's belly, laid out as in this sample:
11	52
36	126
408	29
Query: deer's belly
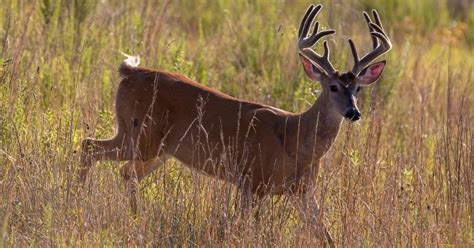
280	179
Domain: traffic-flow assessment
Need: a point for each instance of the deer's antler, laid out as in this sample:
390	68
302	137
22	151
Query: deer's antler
380	42
305	43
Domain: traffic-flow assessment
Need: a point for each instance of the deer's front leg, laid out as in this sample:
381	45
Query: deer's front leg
310	213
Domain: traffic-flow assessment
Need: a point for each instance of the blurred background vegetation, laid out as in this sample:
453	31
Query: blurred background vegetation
401	177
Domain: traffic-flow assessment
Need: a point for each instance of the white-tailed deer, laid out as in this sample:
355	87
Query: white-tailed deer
261	149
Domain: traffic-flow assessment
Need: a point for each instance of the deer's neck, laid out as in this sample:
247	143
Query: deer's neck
318	128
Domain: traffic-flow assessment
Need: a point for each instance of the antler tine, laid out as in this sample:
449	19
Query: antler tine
305	43
380	41
354	52
377	18
375	42
304	27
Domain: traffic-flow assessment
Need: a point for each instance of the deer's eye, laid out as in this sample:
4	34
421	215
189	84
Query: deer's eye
333	88
358	89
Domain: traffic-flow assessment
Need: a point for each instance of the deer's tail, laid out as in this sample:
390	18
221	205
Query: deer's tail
129	65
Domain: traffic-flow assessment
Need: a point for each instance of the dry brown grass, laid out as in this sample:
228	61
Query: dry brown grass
401	177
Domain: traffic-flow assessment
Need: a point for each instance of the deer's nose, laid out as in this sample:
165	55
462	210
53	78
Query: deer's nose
352	114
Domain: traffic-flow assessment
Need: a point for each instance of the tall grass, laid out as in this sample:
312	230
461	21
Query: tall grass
401	177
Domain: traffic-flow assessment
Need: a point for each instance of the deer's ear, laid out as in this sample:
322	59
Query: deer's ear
314	73
371	73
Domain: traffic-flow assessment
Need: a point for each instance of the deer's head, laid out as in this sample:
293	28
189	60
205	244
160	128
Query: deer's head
342	88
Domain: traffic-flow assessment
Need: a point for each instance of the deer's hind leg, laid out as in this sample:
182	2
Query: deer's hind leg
134	171
118	148
147	157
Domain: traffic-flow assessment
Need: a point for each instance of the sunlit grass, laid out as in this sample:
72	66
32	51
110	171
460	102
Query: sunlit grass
401	177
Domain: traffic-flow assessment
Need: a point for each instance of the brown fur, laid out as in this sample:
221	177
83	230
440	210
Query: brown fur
261	149
257	147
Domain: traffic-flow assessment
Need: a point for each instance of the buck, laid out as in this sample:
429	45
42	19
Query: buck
261	149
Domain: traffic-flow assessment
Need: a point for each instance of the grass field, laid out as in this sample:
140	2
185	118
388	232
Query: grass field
403	176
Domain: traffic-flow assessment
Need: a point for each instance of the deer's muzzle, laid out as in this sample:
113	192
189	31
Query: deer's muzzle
353	114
